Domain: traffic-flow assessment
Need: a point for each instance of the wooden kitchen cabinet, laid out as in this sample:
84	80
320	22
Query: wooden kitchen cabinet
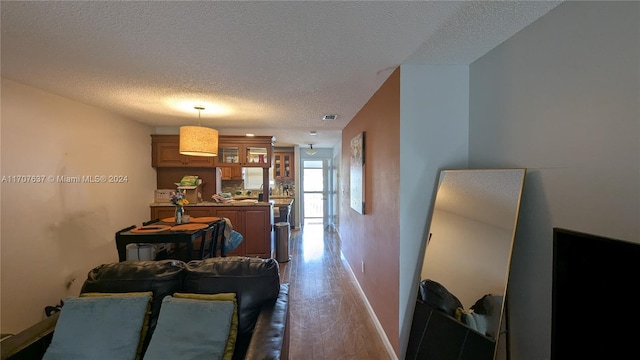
253	222
258	242
234	214
244	151
198	211
233	151
231	173
165	152
163	212
283	165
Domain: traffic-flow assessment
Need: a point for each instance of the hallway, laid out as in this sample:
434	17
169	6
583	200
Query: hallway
328	317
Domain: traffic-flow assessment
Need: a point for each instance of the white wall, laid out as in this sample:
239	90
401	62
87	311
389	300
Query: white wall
53	232
434	103
562	99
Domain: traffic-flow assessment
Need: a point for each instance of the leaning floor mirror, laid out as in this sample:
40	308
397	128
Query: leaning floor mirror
459	311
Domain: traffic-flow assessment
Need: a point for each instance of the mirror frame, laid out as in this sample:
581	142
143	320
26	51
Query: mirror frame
476	212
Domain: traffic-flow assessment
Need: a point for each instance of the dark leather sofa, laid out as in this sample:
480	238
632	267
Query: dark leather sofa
263	302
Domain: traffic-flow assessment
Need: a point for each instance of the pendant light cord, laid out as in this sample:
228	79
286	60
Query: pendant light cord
199	108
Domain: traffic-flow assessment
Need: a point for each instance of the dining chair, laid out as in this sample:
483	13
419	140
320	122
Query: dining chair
219	239
121	231
204	246
125	229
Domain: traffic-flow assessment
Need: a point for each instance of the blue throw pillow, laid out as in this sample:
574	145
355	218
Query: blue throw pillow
99	328
191	329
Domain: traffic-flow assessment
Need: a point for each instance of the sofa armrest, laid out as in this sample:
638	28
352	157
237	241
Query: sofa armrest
270	339
30	343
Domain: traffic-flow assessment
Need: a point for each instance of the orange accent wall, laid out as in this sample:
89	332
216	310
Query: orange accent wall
375	236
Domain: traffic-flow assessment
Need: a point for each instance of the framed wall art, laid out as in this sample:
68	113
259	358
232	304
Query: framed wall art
357	173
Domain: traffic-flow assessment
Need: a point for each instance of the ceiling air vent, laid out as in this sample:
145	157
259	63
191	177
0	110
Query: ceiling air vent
329	117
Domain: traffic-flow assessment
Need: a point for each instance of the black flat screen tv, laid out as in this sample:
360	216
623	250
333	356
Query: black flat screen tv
595	297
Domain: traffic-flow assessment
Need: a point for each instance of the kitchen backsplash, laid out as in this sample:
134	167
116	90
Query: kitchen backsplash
280	187
283	187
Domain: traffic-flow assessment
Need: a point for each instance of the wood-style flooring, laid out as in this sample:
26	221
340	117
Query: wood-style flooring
328	317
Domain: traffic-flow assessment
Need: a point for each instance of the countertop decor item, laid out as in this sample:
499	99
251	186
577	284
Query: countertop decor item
179	214
179	199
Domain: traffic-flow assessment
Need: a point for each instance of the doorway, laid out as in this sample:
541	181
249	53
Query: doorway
314	197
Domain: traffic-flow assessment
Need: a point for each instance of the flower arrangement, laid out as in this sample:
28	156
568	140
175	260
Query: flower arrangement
178	198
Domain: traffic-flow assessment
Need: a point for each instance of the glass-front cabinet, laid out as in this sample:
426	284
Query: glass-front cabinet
283	165
245	151
228	154
257	154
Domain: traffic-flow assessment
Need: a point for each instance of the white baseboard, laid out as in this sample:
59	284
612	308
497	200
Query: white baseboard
372	314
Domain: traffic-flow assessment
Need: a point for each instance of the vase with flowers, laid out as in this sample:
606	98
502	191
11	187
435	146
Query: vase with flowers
178	198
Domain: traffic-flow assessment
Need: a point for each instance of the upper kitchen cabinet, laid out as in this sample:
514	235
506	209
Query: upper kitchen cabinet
165	152
283	165
231	173
245	151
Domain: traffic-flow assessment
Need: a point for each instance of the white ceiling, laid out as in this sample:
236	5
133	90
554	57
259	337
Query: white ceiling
274	67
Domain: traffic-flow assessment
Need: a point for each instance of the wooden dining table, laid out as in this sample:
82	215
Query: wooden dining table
165	231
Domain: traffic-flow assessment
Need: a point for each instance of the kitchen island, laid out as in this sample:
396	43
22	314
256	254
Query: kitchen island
250	218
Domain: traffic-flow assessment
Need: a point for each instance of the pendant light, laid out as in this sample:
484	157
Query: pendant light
310	151
198	140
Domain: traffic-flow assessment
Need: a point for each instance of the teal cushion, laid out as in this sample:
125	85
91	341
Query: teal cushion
191	329
99	328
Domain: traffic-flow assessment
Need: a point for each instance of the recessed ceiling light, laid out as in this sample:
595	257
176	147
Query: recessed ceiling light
313	133
330	117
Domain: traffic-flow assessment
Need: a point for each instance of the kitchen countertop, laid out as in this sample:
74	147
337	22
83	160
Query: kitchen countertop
211	203
238	201
282	202
271	197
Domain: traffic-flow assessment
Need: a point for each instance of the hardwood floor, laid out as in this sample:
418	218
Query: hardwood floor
328	317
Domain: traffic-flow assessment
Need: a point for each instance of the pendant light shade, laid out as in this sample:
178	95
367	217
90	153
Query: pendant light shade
310	151
198	140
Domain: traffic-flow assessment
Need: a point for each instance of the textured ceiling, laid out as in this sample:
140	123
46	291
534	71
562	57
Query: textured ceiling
271	68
